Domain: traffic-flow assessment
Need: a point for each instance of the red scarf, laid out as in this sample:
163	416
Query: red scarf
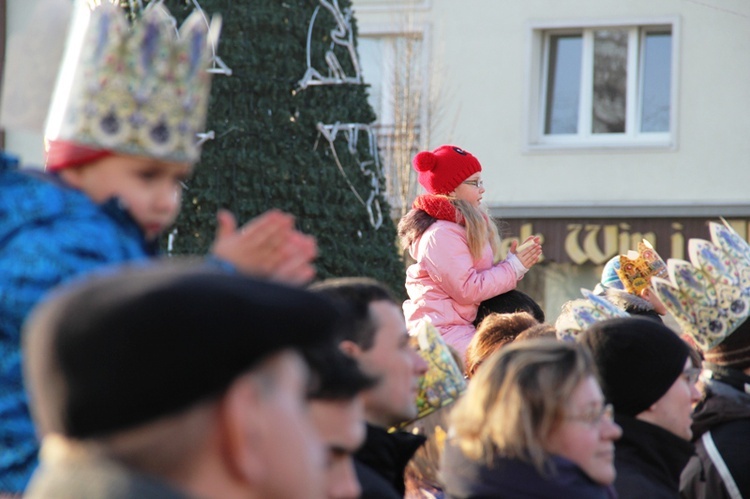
438	207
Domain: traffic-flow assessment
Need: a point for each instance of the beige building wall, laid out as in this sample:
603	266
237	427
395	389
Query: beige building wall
484	56
480	53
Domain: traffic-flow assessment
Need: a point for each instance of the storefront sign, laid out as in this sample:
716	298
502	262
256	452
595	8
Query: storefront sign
594	241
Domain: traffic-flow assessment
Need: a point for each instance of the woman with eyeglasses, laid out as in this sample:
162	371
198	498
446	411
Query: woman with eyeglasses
456	246
533	423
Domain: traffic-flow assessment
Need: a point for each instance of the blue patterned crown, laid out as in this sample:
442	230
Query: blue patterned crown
709	296
582	313
139	89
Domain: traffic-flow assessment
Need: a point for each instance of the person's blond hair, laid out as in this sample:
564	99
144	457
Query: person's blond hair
517	399
480	228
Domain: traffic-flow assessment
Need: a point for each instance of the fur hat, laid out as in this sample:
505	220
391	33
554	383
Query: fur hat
638	360
443	169
734	351
130	347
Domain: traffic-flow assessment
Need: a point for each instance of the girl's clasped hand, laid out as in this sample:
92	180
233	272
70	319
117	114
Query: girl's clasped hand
529	252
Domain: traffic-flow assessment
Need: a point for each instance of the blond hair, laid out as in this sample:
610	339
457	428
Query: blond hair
517	400
480	228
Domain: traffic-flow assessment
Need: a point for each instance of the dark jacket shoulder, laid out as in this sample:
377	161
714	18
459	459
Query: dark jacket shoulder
507	478
381	461
649	460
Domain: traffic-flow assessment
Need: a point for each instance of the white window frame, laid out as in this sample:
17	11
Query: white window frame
537	79
419	30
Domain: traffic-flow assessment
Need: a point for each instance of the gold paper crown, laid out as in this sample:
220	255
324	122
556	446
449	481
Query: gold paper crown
444	381
141	90
585	312
710	295
638	267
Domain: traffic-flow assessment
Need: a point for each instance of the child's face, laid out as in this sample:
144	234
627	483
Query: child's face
470	190
150	189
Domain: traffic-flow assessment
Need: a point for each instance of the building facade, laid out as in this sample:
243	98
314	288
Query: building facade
597	122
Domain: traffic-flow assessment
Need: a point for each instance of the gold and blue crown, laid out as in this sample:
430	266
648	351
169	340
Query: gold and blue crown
139	89
709	296
444	380
638	267
583	313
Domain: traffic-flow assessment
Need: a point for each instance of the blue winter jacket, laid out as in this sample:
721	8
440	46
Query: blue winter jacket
49	234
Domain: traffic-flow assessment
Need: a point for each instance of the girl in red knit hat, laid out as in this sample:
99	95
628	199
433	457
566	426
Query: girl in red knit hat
456	246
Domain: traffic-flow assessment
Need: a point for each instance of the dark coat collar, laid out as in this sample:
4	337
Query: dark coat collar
652	452
388	454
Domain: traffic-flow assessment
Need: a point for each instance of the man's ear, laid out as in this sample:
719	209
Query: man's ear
350	348
242	421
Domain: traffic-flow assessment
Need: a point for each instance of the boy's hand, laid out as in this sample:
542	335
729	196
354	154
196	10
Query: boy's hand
528	252
267	246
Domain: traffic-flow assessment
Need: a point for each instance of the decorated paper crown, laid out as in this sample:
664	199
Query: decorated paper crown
584	313
141	89
638	267
710	295
444	381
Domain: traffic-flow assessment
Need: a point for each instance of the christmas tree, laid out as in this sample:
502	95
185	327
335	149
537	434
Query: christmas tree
291	126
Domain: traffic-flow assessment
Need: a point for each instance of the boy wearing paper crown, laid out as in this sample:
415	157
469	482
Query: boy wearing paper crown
626	281
709	297
122	138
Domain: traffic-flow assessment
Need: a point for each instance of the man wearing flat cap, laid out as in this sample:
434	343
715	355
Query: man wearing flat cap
648	376
175	382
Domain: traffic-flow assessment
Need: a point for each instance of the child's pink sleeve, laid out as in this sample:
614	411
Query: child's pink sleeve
445	257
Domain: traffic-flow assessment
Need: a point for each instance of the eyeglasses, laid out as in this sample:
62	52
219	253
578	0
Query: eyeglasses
594	417
692	374
476	183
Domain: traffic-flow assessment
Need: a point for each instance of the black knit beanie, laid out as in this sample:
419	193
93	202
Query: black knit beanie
638	361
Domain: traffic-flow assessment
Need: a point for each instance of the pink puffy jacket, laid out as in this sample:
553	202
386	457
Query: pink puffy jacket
447	285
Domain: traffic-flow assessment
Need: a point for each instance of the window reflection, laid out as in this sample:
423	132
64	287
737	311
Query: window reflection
657	74
610	80
563	84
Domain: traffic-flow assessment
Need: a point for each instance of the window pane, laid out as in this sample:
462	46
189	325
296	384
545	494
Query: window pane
657	80
563	85
610	77
371	62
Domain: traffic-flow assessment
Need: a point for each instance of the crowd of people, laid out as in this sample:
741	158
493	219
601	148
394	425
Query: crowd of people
125	375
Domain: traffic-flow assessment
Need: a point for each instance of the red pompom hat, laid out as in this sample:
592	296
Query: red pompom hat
443	169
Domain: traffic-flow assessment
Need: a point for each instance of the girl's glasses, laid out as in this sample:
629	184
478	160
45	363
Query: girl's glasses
476	183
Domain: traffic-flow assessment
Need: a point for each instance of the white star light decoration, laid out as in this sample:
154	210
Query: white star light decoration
369	168
343	35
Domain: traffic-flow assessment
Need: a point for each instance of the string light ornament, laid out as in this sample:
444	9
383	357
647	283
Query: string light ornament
342	35
369	168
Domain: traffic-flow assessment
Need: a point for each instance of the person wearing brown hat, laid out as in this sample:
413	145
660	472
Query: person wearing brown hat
714	315
648	376
456	247
176	382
